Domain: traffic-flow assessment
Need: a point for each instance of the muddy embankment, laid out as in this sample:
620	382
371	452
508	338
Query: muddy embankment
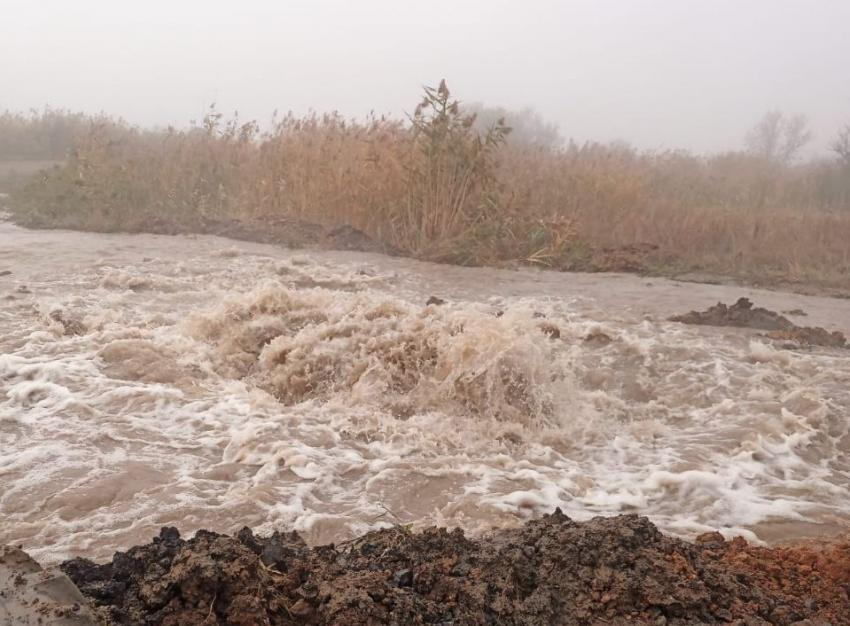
645	259
617	570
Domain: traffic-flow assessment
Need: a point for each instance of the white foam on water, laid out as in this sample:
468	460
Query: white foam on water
207	383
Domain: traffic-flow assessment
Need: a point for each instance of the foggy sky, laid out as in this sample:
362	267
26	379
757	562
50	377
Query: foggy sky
659	74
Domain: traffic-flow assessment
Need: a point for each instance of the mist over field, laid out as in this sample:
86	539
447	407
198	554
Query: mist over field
662	74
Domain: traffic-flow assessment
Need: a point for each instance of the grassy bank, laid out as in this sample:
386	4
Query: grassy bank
439	186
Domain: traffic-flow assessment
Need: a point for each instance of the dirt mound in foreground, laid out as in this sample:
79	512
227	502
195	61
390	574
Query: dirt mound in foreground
742	314
619	570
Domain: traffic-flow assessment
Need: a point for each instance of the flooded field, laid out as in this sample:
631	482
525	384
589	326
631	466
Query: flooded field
207	383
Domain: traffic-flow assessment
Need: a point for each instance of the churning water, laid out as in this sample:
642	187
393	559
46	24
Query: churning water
201	382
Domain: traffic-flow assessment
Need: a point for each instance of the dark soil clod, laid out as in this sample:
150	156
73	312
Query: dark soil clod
618	570
742	314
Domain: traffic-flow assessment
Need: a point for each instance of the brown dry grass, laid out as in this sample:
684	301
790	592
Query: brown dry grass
431	187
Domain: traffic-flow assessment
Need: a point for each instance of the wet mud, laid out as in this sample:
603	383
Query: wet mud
286	231
743	314
616	570
31	595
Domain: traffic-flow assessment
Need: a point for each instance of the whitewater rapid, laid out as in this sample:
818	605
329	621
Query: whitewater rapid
207	383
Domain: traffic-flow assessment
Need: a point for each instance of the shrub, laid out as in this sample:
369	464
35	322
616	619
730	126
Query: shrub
441	186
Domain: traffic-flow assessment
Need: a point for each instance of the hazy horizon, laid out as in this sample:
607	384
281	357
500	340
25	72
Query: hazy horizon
664	74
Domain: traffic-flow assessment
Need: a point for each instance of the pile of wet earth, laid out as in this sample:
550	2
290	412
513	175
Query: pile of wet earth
742	314
553	570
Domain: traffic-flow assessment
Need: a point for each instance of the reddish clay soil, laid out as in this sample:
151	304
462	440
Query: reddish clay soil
618	570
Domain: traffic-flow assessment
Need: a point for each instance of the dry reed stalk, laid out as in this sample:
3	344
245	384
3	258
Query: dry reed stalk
433	187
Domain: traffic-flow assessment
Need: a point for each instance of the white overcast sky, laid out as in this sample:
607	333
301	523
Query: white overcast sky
658	73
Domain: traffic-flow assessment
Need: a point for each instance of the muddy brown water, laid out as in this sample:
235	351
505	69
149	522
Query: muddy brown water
201	382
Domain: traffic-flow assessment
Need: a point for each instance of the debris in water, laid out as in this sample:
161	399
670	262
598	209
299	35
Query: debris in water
598	338
550	571
550	330
71	326
742	314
